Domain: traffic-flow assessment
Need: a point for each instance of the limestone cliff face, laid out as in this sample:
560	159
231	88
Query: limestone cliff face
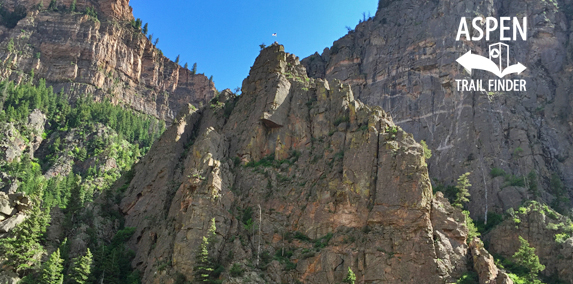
106	58
403	59
303	181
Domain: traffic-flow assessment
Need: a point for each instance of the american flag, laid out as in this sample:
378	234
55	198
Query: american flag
275	34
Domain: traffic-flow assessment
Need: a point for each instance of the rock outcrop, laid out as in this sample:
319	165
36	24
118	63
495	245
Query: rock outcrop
485	266
13	209
104	56
303	182
545	230
403	59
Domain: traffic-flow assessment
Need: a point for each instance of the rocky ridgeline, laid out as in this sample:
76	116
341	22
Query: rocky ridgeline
303	182
105	57
403	59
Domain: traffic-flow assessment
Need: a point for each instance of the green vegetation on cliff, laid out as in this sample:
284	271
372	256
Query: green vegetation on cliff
71	159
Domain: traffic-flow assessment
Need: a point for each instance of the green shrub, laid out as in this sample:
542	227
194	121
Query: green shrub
300	236
341	119
427	151
236	270
322	242
561	238
493	219
496	172
470	277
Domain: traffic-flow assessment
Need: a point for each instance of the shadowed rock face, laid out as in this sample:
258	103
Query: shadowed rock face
338	185
403	60
106	58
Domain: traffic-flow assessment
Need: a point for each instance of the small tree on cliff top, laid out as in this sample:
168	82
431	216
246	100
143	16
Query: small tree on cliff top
463	191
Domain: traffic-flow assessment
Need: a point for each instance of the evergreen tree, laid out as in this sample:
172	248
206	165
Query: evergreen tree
186	65
211	80
156	41
20	251
262	46
532	181
145	29
52	269
73	6
53	6
151	37
463	190
526	257
177	59
76	200
64	249
194	68
204	267
350	277
81	268
82	154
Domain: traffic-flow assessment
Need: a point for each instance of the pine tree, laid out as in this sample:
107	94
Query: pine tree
350	277
53	6
81	268
73	6
526	257
204	267
76	199
211	80
145	29
52	269
20	251
156	41
194	68
64	249
177	59
463	190
186	65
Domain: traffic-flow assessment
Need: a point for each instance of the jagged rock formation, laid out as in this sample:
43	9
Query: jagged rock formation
544	229
338	185
105	57
485	266
13	209
403	59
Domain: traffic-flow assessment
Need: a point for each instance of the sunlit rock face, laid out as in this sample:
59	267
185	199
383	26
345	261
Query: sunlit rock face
104	56
404	60
297	164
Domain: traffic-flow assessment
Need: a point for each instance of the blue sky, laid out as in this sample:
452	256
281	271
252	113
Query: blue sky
223	37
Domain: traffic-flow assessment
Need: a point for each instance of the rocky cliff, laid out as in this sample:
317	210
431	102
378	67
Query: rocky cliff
403	60
303	182
102	55
547	231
